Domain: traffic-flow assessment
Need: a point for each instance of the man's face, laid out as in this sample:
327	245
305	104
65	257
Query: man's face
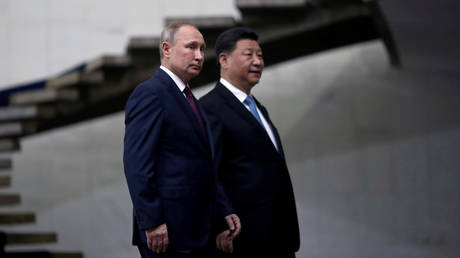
245	64
186	56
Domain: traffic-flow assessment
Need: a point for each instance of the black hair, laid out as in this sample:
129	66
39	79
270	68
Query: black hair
226	41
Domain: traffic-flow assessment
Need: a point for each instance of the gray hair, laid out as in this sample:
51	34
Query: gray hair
169	34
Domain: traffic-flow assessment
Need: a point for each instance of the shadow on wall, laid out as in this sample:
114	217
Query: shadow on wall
359	110
372	154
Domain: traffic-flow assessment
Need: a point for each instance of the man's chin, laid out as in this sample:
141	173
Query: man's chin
194	71
254	81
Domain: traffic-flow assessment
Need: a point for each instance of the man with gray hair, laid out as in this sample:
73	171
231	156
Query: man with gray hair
168	156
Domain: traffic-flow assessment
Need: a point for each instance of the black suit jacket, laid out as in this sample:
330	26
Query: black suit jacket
168	163
254	174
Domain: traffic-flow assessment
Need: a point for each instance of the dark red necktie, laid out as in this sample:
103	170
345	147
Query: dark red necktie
191	100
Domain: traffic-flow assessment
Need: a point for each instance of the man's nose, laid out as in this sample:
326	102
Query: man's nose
199	54
257	61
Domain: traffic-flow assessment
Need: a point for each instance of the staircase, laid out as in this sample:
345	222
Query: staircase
8	238
287	29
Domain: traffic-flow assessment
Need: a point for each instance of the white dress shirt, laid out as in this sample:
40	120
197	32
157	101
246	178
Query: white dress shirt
179	83
241	96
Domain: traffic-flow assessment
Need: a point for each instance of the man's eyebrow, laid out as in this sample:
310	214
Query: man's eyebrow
195	42
253	49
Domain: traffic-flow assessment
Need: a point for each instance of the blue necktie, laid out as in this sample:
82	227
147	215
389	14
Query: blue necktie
252	107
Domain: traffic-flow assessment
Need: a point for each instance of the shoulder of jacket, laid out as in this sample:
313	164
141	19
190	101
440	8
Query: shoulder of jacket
210	98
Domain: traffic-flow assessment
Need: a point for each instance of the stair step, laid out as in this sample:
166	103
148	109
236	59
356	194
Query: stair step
259	12
144	43
17	129
41	254
204	23
16	113
11	129
75	79
9	199
5	164
210	27
29	238
17	218
5	181
43	96
107	63
67	255
144	50
322	27
9	145
270	3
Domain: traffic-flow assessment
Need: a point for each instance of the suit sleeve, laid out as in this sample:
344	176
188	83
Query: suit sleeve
143	122
224	206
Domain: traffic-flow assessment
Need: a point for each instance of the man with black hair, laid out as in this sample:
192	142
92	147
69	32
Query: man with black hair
249	154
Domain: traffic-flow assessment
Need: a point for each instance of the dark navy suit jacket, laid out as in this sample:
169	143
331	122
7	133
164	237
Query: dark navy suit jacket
168	163
254	175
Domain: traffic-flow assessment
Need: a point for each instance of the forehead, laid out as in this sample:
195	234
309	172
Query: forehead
189	33
247	44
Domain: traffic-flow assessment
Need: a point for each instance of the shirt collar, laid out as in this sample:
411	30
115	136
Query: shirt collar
239	94
179	83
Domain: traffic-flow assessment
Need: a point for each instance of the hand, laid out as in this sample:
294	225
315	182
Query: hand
234	225
157	238
224	241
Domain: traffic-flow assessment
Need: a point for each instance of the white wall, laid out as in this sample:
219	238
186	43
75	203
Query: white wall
43	37
372	150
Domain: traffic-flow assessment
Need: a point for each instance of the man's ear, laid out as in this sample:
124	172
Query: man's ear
223	60
166	48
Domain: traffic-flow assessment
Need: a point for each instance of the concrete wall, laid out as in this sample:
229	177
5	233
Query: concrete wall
373	154
372	150
41	38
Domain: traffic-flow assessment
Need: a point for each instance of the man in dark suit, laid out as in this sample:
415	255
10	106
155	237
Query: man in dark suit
168	156
249	154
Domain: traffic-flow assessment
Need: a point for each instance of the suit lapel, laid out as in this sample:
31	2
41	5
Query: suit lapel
208	129
179	98
242	111
238	107
272	126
